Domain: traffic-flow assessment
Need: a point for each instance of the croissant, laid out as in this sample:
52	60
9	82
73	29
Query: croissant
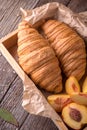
69	47
38	59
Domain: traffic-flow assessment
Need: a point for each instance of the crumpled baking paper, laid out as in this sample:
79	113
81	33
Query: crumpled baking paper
33	100
58	11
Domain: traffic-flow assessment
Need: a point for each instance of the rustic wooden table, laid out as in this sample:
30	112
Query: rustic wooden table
10	84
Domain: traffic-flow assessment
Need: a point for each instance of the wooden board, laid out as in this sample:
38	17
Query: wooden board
7	76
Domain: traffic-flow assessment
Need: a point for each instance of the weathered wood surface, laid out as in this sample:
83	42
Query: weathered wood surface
11	87
78	5
42	123
7	76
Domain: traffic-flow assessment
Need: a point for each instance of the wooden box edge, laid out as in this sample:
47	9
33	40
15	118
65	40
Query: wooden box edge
5	44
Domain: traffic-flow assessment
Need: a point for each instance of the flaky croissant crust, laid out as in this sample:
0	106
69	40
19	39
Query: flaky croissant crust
69	47
38	59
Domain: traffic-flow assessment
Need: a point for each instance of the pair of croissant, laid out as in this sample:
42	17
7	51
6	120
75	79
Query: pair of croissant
38	58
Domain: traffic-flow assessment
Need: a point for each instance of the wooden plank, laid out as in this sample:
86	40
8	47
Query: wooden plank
7	76
38	123
10	14
78	5
12	102
8	39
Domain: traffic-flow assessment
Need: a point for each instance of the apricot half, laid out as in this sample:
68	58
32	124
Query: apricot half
84	87
72	85
80	98
75	115
59	101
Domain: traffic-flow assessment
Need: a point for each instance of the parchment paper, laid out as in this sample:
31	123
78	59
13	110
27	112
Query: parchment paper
58	11
33	100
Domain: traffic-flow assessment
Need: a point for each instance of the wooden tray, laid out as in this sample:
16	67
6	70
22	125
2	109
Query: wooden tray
8	47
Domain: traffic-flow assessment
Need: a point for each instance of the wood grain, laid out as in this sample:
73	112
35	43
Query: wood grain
10	14
78	5
12	102
7	76
42	123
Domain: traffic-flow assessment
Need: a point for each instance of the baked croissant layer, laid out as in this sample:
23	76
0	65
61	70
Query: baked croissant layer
69	47
38	59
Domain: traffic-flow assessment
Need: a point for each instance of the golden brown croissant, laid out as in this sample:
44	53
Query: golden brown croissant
38	59
69	47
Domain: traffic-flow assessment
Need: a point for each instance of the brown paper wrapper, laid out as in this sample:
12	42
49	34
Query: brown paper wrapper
33	100
60	12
